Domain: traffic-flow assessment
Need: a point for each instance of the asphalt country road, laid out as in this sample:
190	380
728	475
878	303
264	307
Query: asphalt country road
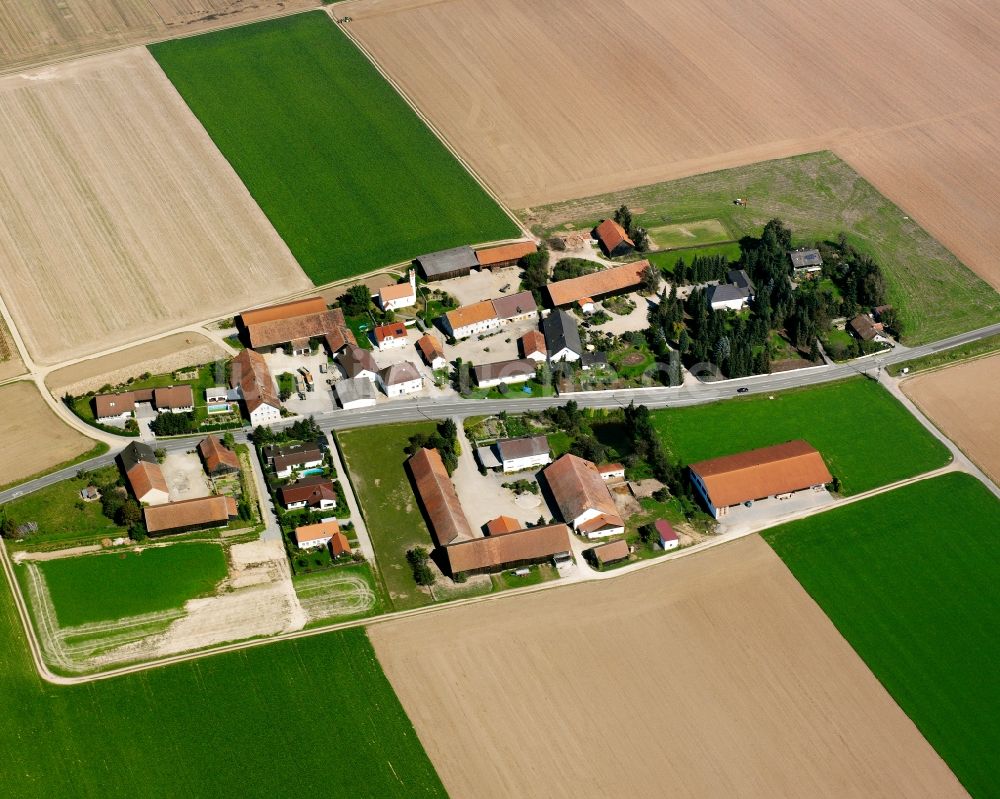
417	408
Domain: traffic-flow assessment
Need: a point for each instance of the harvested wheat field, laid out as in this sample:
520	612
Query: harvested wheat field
36	31
962	401
32	438
11	364
162	355
121	219
713	675
570	98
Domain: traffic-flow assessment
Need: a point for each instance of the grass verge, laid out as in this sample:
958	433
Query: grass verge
347	173
908	578
839	419
974	349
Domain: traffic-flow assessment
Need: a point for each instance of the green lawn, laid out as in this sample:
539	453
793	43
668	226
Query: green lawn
333	599
818	195
376	462
211	727
63	518
910	578
344	169
689	234
668	259
114	585
866	437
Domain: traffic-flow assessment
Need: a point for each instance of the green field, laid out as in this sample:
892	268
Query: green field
910	579
223	726
866	437
111	586
689	234
668	259
344	169
63	518
819	196
376	462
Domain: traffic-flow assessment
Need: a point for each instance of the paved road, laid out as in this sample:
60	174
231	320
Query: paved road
417	408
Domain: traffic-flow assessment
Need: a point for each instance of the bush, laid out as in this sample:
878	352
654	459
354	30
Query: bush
417	558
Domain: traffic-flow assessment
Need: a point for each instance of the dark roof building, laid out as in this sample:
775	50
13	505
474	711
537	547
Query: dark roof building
313	490
516	370
806	260
136	452
352	391
354	360
562	335
455	262
740	279
515	306
284	456
512	449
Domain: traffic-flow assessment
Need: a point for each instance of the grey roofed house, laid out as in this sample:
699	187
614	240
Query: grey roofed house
448	263
591	359
356	360
740	278
726	292
487	457
510	449
520	304
136	452
400	373
561	332
806	259
354	389
518	367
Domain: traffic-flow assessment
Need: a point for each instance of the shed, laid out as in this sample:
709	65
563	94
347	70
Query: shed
665	532
444	264
611	552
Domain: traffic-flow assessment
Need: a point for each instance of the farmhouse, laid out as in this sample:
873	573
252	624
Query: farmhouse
611	552
613	239
296	324
432	351
401	295
444	264
505	255
509	550
437	494
727	296
667	537
593	360
515	307
532	346
611	471
517	454
775	471
740	279
216	457
502	525
864	328
357	392
358	362
315	491
173	399
189	514
252	378
597	285
110	408
583	497
469	320
518	370
562	337
143	474
806	263
390	336
401	378
311	536
285	458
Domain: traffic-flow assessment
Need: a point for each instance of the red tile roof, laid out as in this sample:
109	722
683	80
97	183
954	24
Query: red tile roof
391	330
202	511
530	544
215	454
626	277
311	490
316	532
611	552
439	498
665	530
145	477
502	525
531	342
285	310
430	347
251	373
505	252
577	486
611	234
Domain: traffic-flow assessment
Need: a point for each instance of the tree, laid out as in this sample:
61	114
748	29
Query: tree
129	514
111	504
229	440
7	526
814	355
640	238
651	277
422	573
356	300
534	271
623	216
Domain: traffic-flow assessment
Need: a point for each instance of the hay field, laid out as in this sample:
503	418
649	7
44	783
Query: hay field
714	675
32	438
121	219
37	31
962	401
570	98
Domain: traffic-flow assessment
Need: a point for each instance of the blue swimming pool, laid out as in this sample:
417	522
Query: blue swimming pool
218	408
311	471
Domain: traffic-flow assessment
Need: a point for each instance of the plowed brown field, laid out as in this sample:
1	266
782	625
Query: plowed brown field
714	675
569	98
962	401
32	438
37	31
120	217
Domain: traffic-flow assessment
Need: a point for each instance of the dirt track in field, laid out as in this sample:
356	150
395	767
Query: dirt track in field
570	98
37	31
121	218
32	437
962	400
715	675
166	354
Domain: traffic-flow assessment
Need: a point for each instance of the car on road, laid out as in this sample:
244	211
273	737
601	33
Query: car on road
742	390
